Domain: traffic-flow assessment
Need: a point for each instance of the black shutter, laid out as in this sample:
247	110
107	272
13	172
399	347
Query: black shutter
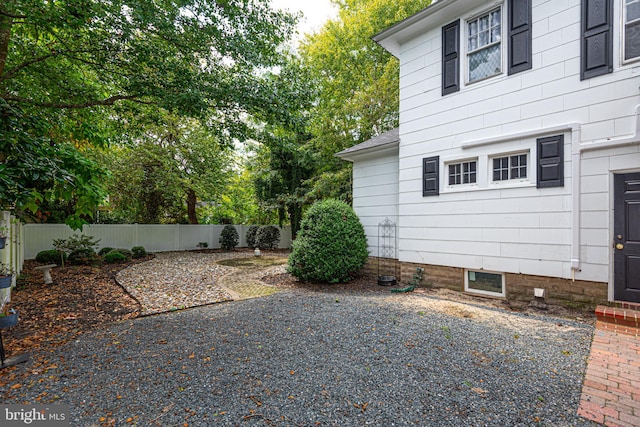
551	161
520	23
430	176
596	49
451	58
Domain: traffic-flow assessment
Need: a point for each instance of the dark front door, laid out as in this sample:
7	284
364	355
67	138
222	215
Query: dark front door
626	239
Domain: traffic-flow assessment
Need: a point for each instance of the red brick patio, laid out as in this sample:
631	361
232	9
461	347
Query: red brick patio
611	389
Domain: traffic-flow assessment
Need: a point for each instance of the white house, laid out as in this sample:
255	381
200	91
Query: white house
517	161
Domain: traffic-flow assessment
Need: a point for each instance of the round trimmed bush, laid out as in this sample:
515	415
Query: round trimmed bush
114	256
84	256
229	238
251	235
123	251
104	251
138	251
51	256
331	245
267	237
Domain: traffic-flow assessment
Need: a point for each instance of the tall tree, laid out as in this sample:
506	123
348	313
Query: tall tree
358	85
82	68
163	176
282	167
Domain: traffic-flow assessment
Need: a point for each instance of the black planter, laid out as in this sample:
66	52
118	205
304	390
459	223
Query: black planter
2	240
5	281
387	280
8	320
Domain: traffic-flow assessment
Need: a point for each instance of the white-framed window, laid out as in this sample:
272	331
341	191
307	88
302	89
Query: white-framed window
484	283
484	45
631	29
510	167
462	172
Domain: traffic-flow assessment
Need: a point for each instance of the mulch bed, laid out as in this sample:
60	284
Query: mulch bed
80	298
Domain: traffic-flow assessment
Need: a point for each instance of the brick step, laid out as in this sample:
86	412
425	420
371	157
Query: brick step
623	319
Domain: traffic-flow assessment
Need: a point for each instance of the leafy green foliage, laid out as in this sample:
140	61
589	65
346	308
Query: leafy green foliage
83	256
267	237
36	169
138	252
251	235
358	86
114	257
104	251
50	256
126	252
176	163
75	75
229	238
76	242
331	245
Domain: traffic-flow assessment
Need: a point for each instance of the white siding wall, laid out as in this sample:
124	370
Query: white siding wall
375	193
518	229
153	237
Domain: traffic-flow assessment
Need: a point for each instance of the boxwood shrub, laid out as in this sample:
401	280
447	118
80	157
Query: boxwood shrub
104	251
138	251
84	256
114	256
51	256
331	244
229	238
267	237
251	235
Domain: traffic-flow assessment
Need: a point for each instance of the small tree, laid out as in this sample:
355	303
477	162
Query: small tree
331	244
76	243
229	238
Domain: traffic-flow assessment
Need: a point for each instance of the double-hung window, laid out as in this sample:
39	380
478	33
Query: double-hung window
463	172
484	49
631	29
510	167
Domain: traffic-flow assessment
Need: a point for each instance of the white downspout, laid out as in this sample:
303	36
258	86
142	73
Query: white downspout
577	148
576	154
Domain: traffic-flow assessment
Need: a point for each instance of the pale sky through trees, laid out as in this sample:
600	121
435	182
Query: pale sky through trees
316	12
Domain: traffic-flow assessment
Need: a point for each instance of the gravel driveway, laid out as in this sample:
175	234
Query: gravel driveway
303	358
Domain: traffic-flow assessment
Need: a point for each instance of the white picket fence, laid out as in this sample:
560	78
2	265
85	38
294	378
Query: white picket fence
153	237
13	253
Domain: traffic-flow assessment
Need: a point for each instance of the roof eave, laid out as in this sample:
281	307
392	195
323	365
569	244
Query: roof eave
391	38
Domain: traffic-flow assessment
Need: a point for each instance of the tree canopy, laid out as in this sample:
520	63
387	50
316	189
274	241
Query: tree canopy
80	73
358	85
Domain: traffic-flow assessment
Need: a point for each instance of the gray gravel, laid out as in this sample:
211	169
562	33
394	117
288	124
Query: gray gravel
328	359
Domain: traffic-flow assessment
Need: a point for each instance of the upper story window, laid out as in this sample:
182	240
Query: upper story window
484	50
631	29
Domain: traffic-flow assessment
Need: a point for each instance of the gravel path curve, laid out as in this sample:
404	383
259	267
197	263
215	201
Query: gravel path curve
178	280
302	358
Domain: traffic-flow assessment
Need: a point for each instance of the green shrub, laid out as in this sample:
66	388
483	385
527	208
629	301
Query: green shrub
267	237
114	256
123	251
251	236
331	245
75	242
50	257
85	256
138	251
104	251
229	238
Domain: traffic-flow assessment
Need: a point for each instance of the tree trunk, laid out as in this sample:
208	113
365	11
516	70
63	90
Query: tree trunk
191	206
5	35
